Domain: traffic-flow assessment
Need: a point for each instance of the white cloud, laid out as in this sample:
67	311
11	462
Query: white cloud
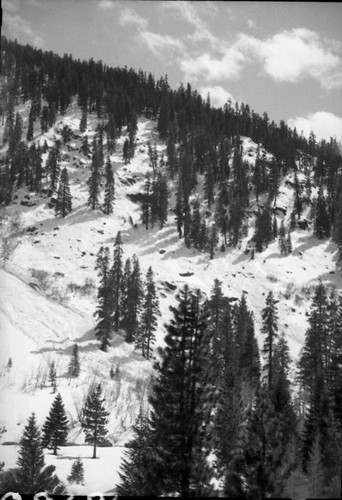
218	95
188	12
292	55
106	4
212	68
323	124
130	16
160	43
15	26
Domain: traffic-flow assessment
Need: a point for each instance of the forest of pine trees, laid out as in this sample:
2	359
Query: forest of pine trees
237	410
223	417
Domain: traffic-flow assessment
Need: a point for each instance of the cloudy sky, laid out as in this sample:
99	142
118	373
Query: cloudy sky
284	58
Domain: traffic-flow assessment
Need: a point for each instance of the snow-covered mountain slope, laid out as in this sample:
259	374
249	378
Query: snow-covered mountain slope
48	293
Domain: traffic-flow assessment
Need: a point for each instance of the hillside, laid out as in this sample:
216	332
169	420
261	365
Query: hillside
49	288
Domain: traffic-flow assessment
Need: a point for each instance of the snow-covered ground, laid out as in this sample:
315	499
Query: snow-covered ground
40	324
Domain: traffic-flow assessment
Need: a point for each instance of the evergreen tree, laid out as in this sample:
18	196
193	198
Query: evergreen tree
94	418
196	225
132	298
177	412
148	323
77	472
53	167
322	222
146	204
74	364
63	204
221	214
85	148
281	238
270	329
94	181
55	428
53	376
213	240
298	196
109	196
29	135
116	276
104	295
83	121
137	473
126	152
32	476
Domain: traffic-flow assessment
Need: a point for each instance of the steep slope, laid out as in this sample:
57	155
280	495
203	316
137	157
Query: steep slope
57	256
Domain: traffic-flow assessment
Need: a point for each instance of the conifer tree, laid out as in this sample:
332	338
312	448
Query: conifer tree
146	204
322	222
109	196
94	418
196	225
126	152
83	121
77	472
53	167
53	376
29	135
94	181
137	472
270	329
212	241
55	428
281	238
132	298
148	323
104	295
74	364
63	204
116	277
32	475
177	415
221	214
298	196
85	148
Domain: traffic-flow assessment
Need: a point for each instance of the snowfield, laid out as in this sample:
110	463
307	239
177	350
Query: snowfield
48	297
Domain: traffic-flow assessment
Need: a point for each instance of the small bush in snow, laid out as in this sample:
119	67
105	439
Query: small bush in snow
77	472
289	290
42	277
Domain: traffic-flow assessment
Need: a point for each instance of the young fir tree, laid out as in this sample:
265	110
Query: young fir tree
53	377
126	152
83	121
53	167
281	238
74	364
29	136
63	204
94	418
148	322
116	275
77	472
131	299
55	428
212	240
104	309
270	329
146	204
94	181
32	475
322	221
109	196
137	473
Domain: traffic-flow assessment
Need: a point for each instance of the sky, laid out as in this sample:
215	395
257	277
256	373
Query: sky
283	58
